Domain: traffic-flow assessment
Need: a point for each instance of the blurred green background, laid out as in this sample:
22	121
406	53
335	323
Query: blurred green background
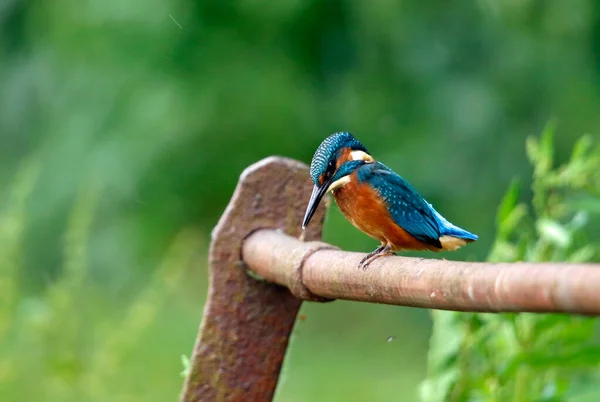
124	125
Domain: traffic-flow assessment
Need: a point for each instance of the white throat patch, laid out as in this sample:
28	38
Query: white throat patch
361	156
339	183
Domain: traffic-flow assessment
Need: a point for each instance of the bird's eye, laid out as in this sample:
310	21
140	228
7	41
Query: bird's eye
330	168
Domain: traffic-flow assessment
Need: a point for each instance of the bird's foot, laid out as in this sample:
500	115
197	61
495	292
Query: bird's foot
380	251
370	255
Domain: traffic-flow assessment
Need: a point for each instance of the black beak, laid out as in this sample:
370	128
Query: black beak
315	198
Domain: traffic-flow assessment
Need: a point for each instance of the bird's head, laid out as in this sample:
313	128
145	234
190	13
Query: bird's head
335	159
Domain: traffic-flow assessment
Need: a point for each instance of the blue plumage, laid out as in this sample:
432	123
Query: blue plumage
328	152
449	229
407	207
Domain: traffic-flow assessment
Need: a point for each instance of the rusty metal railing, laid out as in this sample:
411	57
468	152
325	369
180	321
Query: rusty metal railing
247	321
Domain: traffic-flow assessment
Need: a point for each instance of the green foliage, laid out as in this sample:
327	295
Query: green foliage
60	340
185	362
528	357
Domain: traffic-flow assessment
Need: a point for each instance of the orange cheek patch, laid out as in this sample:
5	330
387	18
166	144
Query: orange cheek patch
345	156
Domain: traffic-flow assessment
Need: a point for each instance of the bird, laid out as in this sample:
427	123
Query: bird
378	201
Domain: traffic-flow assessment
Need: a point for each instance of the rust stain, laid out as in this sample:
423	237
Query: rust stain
247	323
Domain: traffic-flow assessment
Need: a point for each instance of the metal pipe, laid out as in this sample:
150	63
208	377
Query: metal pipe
428	283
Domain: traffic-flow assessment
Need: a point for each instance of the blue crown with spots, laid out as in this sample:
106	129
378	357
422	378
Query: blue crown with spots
328	152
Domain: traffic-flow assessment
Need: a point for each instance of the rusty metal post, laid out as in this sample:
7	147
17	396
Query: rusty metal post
247	323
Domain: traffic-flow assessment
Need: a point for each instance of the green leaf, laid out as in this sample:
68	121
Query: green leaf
513	220
580	219
584	254
547	144
509	202
582	147
541	152
185	361
554	232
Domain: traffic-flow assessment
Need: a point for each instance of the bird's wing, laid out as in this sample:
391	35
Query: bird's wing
407	207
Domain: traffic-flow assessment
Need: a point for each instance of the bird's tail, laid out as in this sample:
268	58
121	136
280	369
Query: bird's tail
452	237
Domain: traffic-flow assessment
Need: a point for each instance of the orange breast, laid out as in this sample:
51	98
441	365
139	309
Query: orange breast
365	210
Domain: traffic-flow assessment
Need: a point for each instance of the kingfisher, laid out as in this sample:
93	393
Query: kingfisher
378	201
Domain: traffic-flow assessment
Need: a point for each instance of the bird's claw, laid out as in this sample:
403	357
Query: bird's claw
364	263
372	256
